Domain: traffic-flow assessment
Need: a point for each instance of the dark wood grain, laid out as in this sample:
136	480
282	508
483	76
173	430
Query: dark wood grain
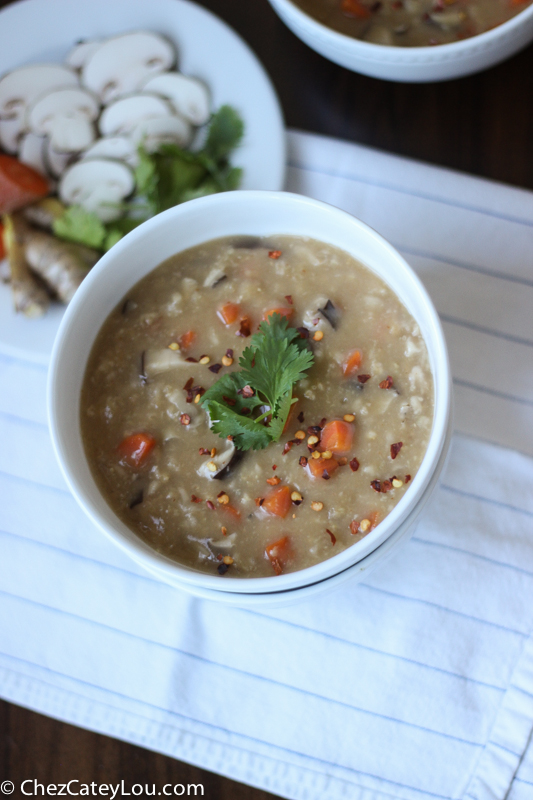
480	124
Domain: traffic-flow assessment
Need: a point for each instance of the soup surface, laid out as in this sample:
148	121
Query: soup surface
352	442
412	23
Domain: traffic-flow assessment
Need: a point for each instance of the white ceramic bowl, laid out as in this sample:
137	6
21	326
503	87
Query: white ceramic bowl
182	227
412	64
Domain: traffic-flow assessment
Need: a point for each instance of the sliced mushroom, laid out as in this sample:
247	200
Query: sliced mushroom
214	277
66	116
161	359
10	133
120	148
151	133
123	115
188	96
31	152
98	185
330	313
121	64
55	163
221	464
82	52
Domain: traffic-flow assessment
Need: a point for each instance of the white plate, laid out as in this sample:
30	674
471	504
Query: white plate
34	31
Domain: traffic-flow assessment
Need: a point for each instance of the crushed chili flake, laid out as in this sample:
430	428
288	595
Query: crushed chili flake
354	464
274	254
387	383
188	385
303	461
288	298
246	411
297	441
363	378
229	352
185	419
354	527
323	422
222	568
386	486
304	333
215	368
204	451
395	449
210	505
274	481
274	466
376	485
245	328
300	416
407	478
259	501
287	447
196	499
331	536
229	400
313	430
192	360
246	391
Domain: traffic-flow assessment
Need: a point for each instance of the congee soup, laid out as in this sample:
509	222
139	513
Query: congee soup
412	23
255	406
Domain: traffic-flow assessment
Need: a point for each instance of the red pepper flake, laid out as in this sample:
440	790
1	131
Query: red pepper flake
259	501
354	464
246	391
304	333
323	422
204	451
210	505
274	481
274	466
229	400
274	254
185	419
229	352
288	298
215	368
407	479
196	499
354	527
300	416
192	360
188	385
331	536
386	486
297	441
376	485
314	430
395	449
286	449
222	568
387	383
245	328
363	378
303	461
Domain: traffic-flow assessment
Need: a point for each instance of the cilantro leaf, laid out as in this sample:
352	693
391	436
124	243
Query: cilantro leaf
78	225
225	133
275	360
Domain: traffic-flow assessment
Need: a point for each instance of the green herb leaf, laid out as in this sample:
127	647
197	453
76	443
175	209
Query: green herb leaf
225	133
275	360
78	225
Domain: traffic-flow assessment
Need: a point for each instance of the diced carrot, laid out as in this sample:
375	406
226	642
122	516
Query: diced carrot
229	313
353	8
20	185
283	311
135	449
352	364
317	466
231	510
2	248
337	436
278	502
279	554
186	340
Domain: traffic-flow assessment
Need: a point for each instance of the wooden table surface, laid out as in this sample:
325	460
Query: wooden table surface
481	124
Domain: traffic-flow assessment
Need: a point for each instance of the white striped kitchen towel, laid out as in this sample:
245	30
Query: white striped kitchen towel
414	685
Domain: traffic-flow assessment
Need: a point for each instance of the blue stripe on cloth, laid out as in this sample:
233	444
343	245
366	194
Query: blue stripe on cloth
488	331
462	550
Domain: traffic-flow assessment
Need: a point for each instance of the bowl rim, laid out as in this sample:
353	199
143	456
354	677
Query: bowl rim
59	379
407	55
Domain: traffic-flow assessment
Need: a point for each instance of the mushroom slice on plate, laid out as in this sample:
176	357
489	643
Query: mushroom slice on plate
120	148
66	116
21	87
82	52
98	185
31	152
55	163
123	115
188	96
162	130
122	63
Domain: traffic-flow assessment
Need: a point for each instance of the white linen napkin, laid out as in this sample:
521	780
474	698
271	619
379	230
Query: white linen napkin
416	684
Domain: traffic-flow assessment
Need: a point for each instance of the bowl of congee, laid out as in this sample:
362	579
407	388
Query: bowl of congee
250	394
411	40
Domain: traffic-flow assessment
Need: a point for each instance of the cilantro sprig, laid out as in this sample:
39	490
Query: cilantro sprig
252	405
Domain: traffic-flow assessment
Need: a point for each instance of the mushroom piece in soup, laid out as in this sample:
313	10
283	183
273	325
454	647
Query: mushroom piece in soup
255	406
